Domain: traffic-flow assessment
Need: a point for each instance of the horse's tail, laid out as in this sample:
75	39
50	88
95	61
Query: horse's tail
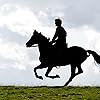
95	55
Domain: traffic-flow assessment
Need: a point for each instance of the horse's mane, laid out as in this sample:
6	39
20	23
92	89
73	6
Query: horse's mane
44	37
46	41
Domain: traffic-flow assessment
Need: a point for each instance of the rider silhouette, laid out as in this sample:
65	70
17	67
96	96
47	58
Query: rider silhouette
59	37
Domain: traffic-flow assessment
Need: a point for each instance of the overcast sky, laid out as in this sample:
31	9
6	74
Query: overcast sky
18	18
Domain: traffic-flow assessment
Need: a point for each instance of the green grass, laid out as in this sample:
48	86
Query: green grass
49	93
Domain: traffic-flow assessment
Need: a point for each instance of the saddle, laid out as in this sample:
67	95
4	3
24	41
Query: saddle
59	51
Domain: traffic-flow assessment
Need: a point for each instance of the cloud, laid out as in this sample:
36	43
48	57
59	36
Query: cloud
15	27
79	13
19	21
75	13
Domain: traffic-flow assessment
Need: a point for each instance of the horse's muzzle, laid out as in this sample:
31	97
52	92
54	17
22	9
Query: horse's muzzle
27	45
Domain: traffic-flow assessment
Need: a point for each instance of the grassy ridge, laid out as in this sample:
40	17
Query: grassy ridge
49	93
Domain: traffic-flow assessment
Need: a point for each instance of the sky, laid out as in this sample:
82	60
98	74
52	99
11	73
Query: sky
18	18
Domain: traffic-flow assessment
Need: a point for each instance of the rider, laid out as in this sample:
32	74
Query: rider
59	37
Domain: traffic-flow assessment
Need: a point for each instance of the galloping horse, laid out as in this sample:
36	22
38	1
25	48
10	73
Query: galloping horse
74	56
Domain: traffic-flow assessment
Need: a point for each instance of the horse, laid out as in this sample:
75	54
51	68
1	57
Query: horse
73	56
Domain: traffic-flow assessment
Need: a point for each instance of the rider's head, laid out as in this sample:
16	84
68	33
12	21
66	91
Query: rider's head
58	22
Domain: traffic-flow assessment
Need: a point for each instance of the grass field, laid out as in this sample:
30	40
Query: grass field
49	93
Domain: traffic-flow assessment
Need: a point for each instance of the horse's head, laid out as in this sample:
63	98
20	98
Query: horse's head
33	40
37	38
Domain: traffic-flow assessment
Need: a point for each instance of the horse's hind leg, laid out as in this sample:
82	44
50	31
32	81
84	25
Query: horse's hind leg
73	67
48	71
38	67
73	74
79	70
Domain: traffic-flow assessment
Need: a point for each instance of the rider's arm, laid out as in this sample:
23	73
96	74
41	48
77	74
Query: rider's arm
55	36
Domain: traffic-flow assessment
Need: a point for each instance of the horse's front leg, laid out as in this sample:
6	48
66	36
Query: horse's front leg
38	67
48	71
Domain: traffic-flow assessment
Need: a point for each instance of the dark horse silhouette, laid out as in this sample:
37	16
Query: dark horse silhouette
74	56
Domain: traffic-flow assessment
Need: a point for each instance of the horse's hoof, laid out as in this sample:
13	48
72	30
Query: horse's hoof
66	84
40	77
57	76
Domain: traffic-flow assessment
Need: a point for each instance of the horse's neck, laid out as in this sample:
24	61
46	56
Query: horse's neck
44	48
43	45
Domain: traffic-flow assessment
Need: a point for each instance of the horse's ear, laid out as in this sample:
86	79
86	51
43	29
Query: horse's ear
35	32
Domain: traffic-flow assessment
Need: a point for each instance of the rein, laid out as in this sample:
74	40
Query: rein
34	45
